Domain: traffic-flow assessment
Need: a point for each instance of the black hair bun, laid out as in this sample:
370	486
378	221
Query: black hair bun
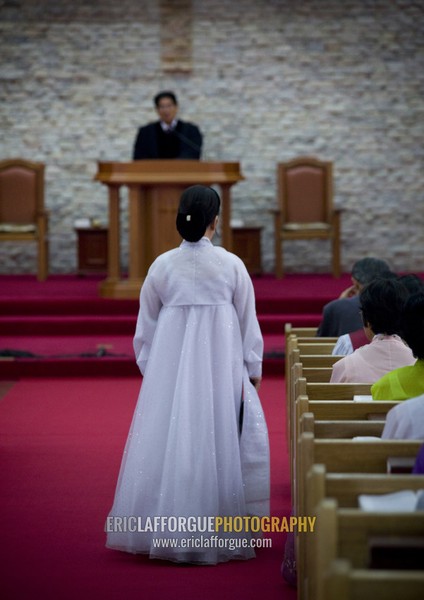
199	205
192	226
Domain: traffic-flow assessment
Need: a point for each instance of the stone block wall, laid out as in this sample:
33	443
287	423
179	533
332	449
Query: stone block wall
265	80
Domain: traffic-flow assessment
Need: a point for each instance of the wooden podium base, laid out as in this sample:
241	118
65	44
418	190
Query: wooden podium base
120	288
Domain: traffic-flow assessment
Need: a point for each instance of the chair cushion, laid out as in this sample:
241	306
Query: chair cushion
17	228
306	226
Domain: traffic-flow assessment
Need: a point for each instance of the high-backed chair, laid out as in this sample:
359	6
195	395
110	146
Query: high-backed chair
305	207
22	214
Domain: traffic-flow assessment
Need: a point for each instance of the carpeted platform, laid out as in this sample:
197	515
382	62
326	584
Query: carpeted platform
63	327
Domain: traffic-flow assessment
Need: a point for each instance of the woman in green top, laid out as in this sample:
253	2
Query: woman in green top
406	382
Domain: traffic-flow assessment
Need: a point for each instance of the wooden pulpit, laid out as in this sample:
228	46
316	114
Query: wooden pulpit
154	190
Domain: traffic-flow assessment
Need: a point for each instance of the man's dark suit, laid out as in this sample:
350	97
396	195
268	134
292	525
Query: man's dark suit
188	144
340	316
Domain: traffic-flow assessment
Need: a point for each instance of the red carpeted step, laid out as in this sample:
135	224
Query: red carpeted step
286	305
68	367
74	305
93	355
20	368
59	346
276	323
121	324
68	325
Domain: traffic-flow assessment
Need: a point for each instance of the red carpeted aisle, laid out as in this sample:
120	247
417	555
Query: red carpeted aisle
61	446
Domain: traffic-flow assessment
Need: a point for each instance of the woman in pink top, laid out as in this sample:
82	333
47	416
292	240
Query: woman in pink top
381	304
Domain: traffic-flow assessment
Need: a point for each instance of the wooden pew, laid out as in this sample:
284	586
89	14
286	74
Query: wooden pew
340	429
300	387
344	456
321	371
331	391
316	374
337	429
324	346
339	456
315	360
299	331
308	360
338	411
345	489
327	403
343	409
351	456
290	345
294	355
345	533
306	346
312	375
342	582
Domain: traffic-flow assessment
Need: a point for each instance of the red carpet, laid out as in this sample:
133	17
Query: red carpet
61	446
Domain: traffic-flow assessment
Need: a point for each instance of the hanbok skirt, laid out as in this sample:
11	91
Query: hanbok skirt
187	455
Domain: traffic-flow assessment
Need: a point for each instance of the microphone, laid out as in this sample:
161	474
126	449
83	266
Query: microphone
185	139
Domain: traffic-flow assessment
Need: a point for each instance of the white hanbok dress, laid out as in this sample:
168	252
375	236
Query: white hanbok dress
197	343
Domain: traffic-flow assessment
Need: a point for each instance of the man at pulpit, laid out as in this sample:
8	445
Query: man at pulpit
169	137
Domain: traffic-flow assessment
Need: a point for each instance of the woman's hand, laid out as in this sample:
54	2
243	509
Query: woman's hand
256	382
349	292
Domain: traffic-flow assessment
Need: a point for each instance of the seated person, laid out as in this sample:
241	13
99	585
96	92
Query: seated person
381	303
342	315
405	421
419	462
349	342
169	137
406	382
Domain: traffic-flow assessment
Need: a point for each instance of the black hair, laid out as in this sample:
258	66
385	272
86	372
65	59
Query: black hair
368	268
412	324
165	94
199	205
382	302
412	282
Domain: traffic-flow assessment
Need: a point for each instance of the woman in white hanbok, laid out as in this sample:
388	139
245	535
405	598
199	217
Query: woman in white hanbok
198	443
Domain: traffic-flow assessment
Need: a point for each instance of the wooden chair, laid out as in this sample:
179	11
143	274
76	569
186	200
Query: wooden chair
22	214
305	207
